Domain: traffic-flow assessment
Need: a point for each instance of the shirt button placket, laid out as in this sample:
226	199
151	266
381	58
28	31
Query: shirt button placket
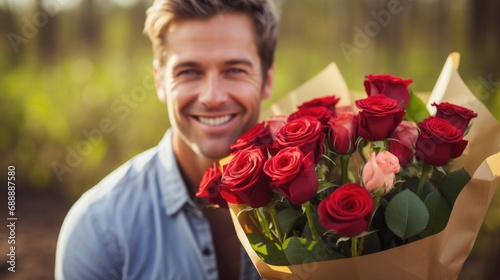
204	237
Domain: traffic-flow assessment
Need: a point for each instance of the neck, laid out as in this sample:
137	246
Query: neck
191	165
226	242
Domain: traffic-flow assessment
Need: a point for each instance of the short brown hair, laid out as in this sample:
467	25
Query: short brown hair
262	13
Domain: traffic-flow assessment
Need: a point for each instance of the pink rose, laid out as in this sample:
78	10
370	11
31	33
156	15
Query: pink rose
388	162
346	108
293	174
390	86
347	210
402	144
343	132
380	171
274	123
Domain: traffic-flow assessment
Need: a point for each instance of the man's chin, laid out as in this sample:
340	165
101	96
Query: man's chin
214	153
216	156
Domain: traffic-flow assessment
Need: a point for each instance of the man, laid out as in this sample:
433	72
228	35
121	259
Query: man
213	66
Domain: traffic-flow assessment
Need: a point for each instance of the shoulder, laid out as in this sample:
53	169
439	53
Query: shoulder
104	209
135	188
98	221
107	222
121	189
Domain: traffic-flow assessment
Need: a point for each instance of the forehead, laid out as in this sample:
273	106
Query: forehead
216	37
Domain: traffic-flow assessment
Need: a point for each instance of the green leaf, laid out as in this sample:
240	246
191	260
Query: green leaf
416	110
406	215
452	184
287	218
269	252
439	213
301	250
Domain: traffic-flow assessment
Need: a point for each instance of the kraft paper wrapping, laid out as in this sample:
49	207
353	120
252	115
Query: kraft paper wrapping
440	256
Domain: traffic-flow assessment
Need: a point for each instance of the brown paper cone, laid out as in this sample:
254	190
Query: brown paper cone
439	256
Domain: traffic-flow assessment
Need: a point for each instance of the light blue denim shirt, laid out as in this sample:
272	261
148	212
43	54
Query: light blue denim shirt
139	223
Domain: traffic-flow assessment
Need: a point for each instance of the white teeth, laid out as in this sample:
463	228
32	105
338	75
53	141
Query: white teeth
214	121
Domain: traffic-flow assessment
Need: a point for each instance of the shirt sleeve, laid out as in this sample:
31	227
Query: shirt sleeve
84	249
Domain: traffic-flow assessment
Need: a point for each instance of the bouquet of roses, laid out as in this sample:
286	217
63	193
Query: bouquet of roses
329	182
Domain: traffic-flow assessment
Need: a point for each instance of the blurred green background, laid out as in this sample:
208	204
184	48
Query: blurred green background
77	97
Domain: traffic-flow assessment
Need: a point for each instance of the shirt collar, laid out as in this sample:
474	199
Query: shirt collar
172	189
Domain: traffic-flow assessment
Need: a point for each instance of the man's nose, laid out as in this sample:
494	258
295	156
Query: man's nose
212	94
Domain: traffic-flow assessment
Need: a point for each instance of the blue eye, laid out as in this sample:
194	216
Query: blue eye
188	72
235	71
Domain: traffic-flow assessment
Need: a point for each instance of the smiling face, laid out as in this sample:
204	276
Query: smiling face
212	82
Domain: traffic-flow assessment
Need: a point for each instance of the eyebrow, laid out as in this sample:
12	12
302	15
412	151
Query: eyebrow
186	64
227	63
239	61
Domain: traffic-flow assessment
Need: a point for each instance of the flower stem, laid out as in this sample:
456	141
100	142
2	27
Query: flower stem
344	164
263	223
399	181
426	169
376	202
310	223
354	247
272	212
361	245
378	146
361	146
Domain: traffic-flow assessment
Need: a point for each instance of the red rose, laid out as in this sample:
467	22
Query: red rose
347	210
343	132
293	174
438	142
458	116
402	142
322	114
258	135
390	86
209	186
379	117
305	133
328	101
244	181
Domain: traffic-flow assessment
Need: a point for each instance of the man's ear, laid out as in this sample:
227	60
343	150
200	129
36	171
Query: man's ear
160	90
267	90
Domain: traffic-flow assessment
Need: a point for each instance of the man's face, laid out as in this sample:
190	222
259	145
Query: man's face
212	81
